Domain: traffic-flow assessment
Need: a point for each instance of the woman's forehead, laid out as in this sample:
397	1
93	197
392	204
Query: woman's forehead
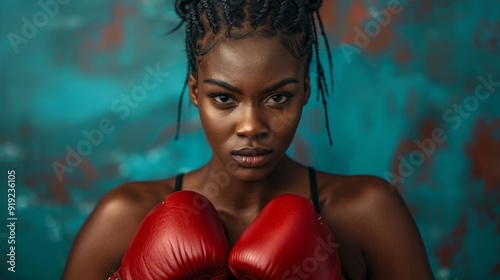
254	54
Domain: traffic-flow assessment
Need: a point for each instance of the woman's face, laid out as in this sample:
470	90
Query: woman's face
250	93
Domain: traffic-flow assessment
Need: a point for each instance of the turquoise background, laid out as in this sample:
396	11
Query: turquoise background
67	74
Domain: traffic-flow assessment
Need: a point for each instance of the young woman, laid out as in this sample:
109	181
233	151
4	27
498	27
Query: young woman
249	77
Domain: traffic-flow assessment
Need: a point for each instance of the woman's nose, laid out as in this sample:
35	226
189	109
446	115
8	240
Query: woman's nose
252	124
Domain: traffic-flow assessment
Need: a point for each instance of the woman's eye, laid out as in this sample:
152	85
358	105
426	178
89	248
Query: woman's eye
221	98
279	98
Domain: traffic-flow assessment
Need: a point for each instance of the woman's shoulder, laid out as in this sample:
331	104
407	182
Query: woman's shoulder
126	205
370	218
140	192
357	204
358	199
129	202
101	242
353	190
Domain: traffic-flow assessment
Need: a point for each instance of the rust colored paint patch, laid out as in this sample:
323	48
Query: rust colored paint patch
110	39
403	55
484	154
356	16
112	34
327	12
414	156
438	58
382	41
487	36
453	243
89	172
59	192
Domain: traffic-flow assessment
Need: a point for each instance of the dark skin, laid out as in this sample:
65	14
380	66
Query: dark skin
250	93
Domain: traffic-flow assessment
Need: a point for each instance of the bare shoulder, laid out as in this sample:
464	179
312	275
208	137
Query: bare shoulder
352	203
130	202
370	217
141	192
353	188
349	196
101	242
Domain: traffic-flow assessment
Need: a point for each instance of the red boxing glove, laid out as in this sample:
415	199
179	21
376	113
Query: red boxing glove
287	240
182	238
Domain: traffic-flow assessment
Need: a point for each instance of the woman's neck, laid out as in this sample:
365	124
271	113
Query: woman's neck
230	193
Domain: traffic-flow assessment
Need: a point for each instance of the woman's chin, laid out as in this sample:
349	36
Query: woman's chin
251	175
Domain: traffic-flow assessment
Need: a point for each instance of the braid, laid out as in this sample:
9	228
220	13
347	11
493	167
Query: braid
301	15
192	23
281	14
190	47
259	16
294	21
330	60
211	15
195	22
227	8
233	14
322	88
179	109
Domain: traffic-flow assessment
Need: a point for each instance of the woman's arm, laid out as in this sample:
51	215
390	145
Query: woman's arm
378	236
99	246
388	235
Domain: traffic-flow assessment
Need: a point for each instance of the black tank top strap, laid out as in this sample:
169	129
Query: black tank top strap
314	189
178	182
314	196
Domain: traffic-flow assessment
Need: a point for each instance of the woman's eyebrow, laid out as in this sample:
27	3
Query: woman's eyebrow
221	84
282	83
274	87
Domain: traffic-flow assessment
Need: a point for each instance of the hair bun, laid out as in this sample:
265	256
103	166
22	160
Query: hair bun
313	5
182	8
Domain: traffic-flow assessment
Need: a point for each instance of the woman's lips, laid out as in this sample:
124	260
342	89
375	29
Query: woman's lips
252	157
252	161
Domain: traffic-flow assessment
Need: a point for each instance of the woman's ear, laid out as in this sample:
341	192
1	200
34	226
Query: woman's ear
307	89
193	89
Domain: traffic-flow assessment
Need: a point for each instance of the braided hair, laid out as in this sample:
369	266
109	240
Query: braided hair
292	21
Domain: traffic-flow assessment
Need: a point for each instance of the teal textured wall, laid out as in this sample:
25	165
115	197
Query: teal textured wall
417	101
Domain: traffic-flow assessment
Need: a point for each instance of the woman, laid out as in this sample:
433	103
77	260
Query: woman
249	77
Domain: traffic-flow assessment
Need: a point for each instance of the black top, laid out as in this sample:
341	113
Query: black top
312	184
